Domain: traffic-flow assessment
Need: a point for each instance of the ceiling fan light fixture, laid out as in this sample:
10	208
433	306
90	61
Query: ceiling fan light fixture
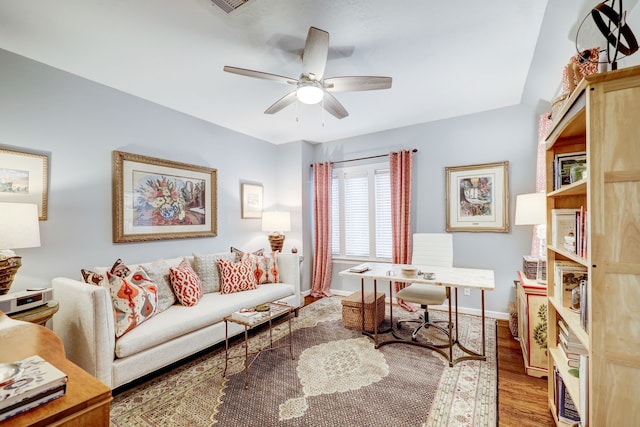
309	92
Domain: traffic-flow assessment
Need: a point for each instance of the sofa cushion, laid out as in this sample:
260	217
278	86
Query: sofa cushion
158	271
207	268
98	277
134	300
179	320
186	284
266	270
239	254
237	276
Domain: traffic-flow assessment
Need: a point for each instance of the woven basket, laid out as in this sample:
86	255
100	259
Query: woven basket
352	310
8	268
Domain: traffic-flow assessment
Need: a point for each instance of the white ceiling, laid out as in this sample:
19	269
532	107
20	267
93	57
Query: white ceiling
446	58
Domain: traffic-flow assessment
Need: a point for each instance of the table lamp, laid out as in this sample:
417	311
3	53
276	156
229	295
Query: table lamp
19	228
275	223
531	209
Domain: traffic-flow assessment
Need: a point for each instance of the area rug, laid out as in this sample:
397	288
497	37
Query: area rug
337	378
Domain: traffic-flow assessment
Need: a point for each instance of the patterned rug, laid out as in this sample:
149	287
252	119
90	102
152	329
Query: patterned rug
337	378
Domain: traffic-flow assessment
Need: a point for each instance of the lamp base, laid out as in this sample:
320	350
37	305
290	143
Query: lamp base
276	241
8	268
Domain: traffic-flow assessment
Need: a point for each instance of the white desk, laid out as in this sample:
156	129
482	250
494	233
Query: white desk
482	280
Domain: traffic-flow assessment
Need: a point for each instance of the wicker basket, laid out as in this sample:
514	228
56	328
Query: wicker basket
8	268
352	310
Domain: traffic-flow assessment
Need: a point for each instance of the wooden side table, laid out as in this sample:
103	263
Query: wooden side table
39	315
87	400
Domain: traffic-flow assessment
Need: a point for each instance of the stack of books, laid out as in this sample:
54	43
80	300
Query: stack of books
569	345
39	383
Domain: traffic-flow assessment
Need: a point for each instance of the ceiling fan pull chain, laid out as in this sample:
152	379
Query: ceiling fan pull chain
323	111
298	111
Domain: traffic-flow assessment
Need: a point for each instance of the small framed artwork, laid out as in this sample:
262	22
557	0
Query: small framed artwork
24	178
156	199
251	201
478	197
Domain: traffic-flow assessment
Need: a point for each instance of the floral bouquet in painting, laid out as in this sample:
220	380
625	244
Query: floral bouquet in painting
168	200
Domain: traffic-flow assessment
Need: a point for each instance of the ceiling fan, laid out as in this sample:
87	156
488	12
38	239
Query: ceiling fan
311	87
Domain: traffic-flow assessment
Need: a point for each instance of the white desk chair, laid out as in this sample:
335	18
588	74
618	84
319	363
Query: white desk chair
429	249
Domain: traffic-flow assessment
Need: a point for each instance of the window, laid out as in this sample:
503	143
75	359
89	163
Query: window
361	212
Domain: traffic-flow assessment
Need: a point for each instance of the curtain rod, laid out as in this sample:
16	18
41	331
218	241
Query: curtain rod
414	150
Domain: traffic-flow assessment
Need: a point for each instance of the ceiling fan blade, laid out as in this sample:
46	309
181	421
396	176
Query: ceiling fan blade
353	83
314	57
333	106
260	75
285	101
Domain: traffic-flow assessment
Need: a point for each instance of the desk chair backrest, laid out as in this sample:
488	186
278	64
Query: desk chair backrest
434	249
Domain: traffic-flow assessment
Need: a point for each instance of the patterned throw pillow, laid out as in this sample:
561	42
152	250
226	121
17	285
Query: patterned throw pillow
207	268
237	276
266	267
239	254
119	269
186	284
134	299
158	271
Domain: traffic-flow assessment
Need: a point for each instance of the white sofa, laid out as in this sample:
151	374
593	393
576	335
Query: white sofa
85	324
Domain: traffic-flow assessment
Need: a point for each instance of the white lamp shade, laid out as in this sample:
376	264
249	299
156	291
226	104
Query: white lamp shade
19	226
531	209
276	221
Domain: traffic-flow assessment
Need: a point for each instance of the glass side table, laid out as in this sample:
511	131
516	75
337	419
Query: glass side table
276	310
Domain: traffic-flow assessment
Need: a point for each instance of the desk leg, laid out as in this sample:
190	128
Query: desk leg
484	341
226	347
375	313
362	303
451	324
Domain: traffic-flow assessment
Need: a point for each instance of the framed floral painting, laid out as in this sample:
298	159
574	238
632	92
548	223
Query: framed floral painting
156	199
478	197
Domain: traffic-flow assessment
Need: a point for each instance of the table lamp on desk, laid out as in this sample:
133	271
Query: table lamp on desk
19	228
531	209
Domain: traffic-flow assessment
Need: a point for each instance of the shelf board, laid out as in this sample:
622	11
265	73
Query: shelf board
572	256
578	188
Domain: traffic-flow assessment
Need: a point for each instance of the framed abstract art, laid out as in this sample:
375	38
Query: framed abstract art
156	199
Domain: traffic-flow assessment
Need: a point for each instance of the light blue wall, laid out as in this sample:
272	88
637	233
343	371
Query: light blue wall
494	136
80	123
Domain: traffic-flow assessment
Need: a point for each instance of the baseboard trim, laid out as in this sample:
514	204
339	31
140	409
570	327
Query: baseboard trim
444	307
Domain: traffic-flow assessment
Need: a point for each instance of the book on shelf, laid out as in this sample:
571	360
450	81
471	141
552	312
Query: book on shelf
583	381
566	409
567	275
247	315
563	223
571	359
584	306
40	382
562	165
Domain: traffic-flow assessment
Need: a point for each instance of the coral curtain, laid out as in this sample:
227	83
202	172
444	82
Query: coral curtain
400	178
543	126
321	283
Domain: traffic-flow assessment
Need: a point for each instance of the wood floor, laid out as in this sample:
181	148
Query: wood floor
522	400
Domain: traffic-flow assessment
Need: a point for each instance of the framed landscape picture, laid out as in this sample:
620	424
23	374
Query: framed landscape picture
24	178
251	201
156	199
478	197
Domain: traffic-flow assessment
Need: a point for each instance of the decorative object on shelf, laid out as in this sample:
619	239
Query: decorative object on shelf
477	197
294	250
275	223
156	199
531	209
612	24
24	178
577	172
251	201
19	228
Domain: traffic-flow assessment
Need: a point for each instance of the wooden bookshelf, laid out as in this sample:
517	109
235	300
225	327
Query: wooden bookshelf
601	119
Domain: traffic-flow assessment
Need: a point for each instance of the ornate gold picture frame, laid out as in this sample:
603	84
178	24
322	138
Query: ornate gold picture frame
24	178
156	199
478	197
